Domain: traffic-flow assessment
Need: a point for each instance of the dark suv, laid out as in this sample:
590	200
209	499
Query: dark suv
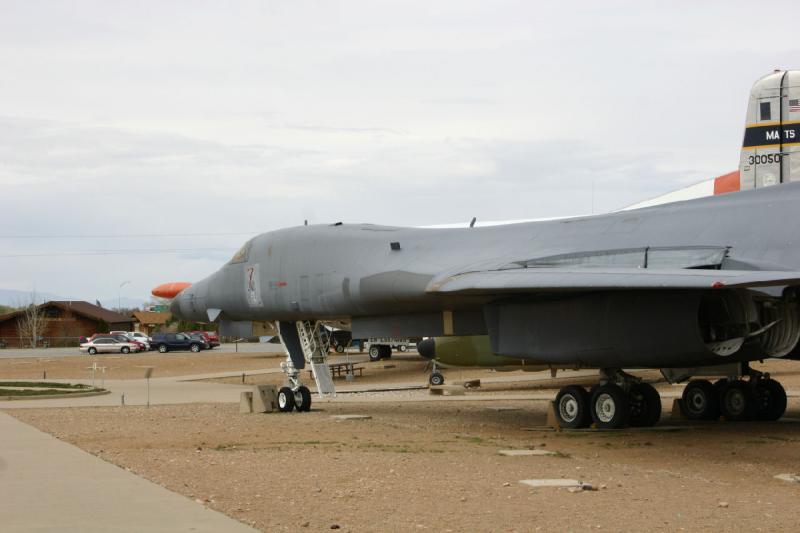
165	342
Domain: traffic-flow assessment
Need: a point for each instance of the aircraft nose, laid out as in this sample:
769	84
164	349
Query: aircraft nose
427	348
175	307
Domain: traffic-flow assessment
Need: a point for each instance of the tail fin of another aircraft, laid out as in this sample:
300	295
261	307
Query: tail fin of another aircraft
771	147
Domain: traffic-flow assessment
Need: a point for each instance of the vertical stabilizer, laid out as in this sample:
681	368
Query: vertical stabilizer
771	148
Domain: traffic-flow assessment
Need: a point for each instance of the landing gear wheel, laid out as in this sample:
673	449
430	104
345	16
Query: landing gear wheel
375	352
302	399
645	405
572	407
402	348
436	379
285	399
737	401
609	407
771	400
700	400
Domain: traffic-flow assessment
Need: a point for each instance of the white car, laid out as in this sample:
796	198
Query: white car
141	337
108	345
137	336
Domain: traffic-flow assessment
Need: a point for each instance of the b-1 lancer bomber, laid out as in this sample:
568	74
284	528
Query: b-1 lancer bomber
694	288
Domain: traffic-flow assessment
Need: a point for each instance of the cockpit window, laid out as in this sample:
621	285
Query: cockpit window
243	253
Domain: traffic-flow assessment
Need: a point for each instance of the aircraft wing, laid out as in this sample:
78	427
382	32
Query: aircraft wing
583	279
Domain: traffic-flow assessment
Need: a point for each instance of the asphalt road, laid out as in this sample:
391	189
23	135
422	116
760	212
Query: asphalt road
250	347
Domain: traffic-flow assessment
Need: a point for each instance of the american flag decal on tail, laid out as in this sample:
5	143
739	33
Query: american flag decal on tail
794	105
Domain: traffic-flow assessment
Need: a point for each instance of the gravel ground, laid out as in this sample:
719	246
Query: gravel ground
433	466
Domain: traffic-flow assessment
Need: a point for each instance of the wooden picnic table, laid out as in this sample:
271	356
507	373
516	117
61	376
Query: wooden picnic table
342	369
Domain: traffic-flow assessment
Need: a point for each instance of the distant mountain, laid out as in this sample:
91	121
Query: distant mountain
15	298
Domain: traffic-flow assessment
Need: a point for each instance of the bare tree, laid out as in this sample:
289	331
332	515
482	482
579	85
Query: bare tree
31	323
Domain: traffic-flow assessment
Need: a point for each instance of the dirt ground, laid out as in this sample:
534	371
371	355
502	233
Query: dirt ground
433	465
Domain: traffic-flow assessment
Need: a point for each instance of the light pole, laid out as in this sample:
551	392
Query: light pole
119	295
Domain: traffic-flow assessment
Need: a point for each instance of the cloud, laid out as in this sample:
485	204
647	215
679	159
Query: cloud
184	119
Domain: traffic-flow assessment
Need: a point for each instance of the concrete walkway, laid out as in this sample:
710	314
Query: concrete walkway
162	391
49	485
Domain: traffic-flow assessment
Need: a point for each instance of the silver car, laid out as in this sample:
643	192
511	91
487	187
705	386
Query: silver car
108	345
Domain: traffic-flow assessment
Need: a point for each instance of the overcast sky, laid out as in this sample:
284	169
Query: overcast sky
227	119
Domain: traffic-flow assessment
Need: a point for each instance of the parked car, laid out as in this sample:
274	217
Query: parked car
200	337
210	336
122	337
165	342
108	345
141	337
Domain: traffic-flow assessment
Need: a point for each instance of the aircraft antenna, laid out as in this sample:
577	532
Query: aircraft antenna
472	224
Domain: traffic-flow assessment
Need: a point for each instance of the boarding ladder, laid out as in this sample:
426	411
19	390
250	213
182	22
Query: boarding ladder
315	352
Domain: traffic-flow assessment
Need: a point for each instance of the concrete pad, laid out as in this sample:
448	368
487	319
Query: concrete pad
447	390
559	483
522	453
351	417
246	402
791	478
265	399
53	486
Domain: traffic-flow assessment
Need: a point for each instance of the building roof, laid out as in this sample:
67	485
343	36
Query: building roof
82	308
149	317
91	311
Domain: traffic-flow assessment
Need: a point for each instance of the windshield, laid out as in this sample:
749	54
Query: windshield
243	253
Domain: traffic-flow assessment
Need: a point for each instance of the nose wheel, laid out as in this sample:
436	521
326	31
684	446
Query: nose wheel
299	399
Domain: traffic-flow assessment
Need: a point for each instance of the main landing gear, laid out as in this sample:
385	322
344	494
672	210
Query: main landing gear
758	398
620	400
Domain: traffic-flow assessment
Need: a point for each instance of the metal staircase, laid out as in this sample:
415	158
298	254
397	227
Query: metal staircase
315	351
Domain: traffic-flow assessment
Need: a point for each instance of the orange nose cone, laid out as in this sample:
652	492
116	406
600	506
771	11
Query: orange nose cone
170	290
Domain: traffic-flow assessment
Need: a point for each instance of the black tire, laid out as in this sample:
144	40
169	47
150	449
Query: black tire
92	350
609	407
375	352
162	348
402	348
194	348
700	400
125	349
770	400
302	399
386	351
737	401
645	405
339	348
572	407
436	379
285	399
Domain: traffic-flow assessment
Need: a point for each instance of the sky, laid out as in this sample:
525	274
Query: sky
144	142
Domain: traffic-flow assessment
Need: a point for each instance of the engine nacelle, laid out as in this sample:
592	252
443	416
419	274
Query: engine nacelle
644	328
